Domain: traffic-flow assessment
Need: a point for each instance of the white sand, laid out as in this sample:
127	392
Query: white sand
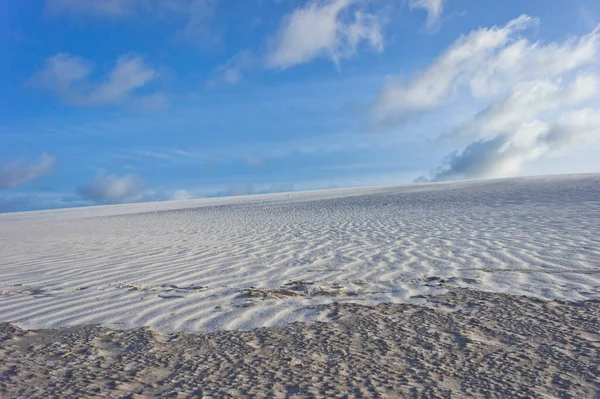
188	265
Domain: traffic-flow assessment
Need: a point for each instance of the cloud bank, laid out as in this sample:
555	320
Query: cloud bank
18	172
112	188
505	154
535	98
528	100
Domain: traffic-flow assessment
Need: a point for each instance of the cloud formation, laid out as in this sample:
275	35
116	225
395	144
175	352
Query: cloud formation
69	77
18	172
524	126
324	28
115	189
539	99
434	9
112	188
526	101
482	64
505	154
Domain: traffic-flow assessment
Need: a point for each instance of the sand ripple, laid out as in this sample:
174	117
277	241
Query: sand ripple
207	265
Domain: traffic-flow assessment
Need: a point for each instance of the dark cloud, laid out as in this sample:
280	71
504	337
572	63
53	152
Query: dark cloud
483	158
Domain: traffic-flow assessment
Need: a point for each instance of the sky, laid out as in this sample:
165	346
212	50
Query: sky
117	101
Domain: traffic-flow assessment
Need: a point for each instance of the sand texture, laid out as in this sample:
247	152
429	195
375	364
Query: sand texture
466	289
258	261
467	344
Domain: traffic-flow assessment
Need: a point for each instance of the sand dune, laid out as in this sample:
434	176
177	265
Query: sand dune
245	262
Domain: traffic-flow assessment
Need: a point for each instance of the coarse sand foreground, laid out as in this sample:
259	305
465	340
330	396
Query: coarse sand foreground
465	343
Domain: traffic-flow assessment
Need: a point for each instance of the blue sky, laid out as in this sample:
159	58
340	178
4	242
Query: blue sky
113	101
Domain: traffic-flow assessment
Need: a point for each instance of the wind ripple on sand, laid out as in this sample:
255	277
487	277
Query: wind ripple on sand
188	265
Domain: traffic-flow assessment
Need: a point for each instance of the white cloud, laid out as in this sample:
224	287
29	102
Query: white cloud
434	9
18	172
536	99
323	28
527	101
112	188
523	126
575	127
483	63
69	77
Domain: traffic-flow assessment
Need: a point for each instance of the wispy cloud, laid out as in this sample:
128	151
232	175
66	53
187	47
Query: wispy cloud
69	77
17	172
258	153
232	71
198	14
324	28
121	9
101	8
434	9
